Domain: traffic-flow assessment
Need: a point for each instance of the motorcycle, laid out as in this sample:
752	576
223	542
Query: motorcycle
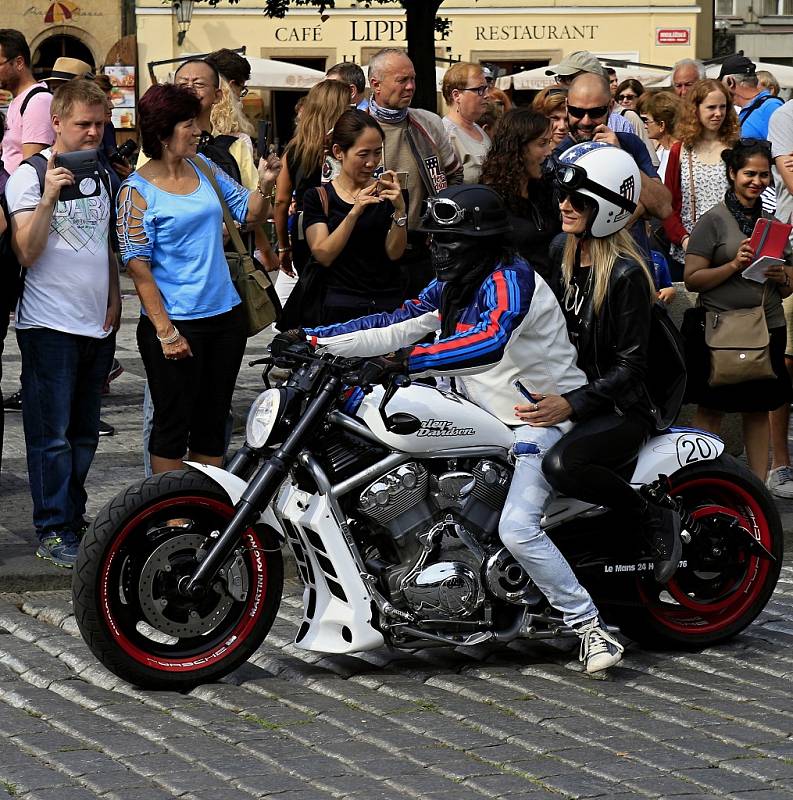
389	499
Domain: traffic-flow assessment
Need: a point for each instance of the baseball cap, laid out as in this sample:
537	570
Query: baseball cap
738	64
578	61
65	69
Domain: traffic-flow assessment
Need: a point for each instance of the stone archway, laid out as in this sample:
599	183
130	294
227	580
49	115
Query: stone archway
65	40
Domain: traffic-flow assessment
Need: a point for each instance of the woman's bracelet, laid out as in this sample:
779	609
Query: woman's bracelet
172	339
284	249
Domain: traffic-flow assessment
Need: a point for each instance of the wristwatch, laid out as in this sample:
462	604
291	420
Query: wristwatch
400	222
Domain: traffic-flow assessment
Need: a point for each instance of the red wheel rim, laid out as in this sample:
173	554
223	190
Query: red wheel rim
689	614
221	645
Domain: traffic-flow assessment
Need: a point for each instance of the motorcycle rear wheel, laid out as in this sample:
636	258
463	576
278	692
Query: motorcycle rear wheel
126	603
711	599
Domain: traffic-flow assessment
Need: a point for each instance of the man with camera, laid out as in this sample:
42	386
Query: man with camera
67	314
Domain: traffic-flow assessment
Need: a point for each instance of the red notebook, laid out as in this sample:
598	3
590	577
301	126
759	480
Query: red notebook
769	237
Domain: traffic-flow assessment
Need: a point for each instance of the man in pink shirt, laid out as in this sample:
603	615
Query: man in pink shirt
28	122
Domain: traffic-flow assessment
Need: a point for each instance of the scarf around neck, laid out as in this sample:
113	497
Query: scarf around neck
388	115
745	217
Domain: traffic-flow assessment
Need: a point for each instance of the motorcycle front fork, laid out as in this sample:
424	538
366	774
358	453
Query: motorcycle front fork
659	493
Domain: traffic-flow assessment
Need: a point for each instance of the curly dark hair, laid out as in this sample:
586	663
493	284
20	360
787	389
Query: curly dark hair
503	168
159	110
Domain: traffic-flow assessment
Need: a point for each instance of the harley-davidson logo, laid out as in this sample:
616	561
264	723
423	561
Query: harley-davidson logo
442	427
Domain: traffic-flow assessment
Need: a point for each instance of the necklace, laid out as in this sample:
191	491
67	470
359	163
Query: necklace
354	197
574	295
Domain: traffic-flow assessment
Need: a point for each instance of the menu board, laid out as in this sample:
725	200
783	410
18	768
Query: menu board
122	96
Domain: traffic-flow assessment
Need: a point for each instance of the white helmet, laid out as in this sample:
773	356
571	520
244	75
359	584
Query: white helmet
608	176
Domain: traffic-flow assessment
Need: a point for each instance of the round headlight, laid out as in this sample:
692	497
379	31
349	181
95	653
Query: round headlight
262	418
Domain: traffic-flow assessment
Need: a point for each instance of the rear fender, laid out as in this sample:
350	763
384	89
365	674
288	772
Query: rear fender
234	486
668	452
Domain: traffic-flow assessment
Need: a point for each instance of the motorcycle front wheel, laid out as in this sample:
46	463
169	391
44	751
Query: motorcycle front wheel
124	588
727	573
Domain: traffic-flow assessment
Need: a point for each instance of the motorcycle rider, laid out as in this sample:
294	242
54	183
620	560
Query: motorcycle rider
499	323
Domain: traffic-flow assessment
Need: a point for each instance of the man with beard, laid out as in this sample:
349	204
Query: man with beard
502	334
587	112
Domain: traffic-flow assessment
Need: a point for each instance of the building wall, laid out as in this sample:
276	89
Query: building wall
96	23
511	29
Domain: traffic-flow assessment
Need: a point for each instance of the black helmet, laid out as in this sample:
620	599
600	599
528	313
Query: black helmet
468	210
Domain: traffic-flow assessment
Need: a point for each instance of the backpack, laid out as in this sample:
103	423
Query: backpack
13	273
216	149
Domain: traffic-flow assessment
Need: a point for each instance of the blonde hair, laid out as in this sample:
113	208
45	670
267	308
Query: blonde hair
605	252
325	103
78	90
766	80
227	116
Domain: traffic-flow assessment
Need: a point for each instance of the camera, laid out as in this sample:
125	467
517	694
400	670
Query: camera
123	153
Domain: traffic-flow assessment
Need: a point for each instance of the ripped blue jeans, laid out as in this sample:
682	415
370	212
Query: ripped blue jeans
519	527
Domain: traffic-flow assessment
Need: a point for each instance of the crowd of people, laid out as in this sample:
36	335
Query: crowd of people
546	232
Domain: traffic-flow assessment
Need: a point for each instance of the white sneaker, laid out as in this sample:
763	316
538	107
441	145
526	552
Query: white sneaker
780	482
599	649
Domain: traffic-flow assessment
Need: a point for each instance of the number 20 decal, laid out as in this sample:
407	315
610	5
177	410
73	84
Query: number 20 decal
691	448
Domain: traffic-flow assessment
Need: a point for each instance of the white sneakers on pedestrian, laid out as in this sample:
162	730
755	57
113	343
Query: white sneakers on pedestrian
599	649
780	482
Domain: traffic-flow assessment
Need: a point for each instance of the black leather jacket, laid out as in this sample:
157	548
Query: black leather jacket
612	347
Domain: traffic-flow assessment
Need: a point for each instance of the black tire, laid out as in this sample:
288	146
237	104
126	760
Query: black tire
123	587
705	604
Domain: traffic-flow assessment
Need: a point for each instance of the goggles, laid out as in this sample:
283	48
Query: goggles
752	142
571	178
445	212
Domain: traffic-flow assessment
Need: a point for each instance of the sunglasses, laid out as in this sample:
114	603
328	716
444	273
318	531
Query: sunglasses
593	113
622	97
579	202
557	90
752	142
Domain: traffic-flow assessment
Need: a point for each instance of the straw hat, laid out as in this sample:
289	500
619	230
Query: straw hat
65	69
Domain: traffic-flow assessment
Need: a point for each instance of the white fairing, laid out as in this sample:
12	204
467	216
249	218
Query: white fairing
668	452
337	606
448	421
234	487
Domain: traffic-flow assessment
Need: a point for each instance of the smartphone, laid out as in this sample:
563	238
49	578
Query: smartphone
525	392
263	138
84	165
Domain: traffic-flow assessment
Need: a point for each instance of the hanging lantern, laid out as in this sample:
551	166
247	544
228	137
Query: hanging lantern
184	16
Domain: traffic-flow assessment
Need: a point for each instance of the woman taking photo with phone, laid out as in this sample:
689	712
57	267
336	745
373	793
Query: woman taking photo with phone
356	227
606	294
718	252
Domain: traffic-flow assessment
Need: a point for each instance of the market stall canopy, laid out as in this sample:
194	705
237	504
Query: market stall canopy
537	79
269	74
781	72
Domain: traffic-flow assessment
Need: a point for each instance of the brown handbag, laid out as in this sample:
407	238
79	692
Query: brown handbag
253	285
738	341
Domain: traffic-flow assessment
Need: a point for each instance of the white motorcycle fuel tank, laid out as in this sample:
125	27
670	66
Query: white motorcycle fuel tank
448	421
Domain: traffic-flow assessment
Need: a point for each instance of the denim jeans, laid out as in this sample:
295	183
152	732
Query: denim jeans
519	527
62	378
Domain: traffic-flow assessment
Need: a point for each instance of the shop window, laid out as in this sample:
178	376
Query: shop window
776	8
725	8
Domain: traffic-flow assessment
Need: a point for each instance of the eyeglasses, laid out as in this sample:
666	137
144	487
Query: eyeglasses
185	83
647	120
593	113
621	98
564	80
557	90
481	91
579	202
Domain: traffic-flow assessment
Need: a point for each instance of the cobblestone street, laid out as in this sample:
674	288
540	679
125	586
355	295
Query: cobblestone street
517	722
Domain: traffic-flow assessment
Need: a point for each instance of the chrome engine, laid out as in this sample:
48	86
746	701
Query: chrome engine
444	528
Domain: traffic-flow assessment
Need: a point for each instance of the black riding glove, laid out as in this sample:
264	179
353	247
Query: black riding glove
379	368
283	341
